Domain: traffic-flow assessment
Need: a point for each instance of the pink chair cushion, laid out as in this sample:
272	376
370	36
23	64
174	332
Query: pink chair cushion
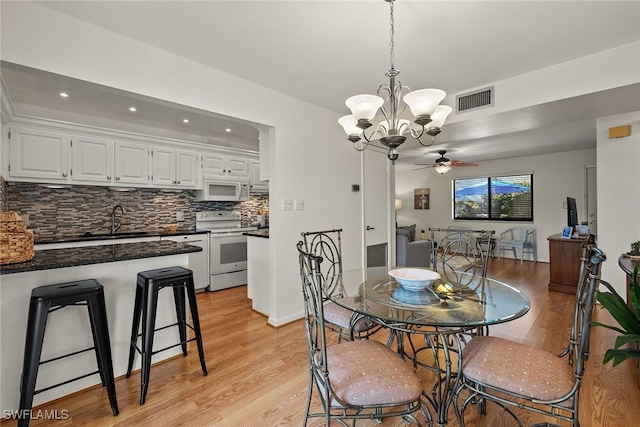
340	316
367	373
517	368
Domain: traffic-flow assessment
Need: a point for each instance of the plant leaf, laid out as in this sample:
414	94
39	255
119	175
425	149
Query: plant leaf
620	355
619	309
624	339
613	328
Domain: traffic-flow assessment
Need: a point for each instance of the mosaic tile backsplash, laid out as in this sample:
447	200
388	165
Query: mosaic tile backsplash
65	212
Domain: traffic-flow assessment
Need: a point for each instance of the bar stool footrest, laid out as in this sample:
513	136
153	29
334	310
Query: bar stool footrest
66	382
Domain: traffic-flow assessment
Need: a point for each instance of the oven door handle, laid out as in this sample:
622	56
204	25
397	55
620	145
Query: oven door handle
239	190
213	235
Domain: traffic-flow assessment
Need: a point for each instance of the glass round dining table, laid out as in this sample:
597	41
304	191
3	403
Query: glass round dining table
430	326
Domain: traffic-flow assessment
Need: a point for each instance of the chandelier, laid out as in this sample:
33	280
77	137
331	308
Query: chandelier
391	131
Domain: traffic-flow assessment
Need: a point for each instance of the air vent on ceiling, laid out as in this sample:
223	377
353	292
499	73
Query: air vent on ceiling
474	100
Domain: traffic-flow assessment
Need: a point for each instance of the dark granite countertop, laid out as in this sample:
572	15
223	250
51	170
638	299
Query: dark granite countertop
74	257
120	235
263	232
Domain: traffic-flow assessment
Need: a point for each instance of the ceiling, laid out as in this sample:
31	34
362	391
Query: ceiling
325	51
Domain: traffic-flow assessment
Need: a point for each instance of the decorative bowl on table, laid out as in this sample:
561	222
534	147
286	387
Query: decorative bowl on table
414	279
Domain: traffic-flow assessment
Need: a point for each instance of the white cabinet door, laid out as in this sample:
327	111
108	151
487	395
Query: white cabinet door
38	154
213	164
187	168
131	163
256	184
237	167
217	164
164	167
92	159
174	168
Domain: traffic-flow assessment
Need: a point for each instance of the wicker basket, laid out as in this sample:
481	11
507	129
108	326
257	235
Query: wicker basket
10	222
16	243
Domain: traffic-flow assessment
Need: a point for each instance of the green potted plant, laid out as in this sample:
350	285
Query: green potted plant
635	250
628	319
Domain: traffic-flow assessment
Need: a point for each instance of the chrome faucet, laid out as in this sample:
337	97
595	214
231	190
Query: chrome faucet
115	220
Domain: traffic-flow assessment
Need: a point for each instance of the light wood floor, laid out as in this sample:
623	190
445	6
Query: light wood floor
258	375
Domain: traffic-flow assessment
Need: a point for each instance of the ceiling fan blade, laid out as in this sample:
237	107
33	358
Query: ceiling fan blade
423	167
462	164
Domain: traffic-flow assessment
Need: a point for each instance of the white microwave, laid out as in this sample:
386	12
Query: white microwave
223	190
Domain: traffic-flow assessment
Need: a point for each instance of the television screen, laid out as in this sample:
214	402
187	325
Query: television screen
572	212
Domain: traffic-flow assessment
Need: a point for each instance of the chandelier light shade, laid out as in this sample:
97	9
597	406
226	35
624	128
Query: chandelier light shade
442	168
392	131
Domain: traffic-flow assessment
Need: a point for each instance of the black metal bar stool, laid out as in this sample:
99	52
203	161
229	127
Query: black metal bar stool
148	286
47	299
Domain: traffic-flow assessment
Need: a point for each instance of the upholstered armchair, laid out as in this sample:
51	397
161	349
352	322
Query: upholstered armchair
409	251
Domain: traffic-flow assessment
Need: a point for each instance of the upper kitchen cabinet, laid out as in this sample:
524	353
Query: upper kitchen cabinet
228	166
38	154
92	159
132	163
174	168
256	184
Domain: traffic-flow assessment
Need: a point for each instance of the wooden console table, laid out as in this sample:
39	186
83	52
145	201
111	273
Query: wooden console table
564	263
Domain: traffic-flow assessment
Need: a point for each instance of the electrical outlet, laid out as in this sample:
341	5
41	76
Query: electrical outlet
299	205
179	216
25	219
287	204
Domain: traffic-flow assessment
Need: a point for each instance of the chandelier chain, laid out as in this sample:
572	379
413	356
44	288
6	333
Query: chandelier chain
391	33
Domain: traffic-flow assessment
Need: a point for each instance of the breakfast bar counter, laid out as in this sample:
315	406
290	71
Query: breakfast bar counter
116	267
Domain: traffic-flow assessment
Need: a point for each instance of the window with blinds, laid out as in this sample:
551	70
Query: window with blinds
496	198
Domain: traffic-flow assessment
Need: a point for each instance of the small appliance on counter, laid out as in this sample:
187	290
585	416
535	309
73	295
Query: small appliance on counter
228	247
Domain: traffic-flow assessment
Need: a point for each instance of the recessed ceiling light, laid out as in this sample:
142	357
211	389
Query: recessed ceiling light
64	94
133	109
228	130
185	120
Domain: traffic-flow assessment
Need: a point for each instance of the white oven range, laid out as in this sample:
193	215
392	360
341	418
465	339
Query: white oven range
228	247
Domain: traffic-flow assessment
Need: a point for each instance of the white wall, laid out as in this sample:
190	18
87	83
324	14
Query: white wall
309	158
618	193
555	176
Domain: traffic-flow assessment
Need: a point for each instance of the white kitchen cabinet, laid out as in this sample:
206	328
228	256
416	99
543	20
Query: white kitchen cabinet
39	154
258	287
92	159
131	163
228	166
174	168
256	184
199	262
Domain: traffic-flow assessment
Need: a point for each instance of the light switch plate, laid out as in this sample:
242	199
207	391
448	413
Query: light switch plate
287	204
179	216
299	205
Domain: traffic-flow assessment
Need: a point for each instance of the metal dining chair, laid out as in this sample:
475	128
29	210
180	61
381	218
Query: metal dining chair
360	379
513	374
460	251
327	244
522	238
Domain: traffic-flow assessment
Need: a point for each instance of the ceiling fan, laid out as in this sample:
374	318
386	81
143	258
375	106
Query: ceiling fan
444	165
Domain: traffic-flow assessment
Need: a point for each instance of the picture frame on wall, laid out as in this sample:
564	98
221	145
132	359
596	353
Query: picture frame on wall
421	198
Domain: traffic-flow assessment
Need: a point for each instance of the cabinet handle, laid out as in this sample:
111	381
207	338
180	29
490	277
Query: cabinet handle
64	174
117	178
108	178
177	182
